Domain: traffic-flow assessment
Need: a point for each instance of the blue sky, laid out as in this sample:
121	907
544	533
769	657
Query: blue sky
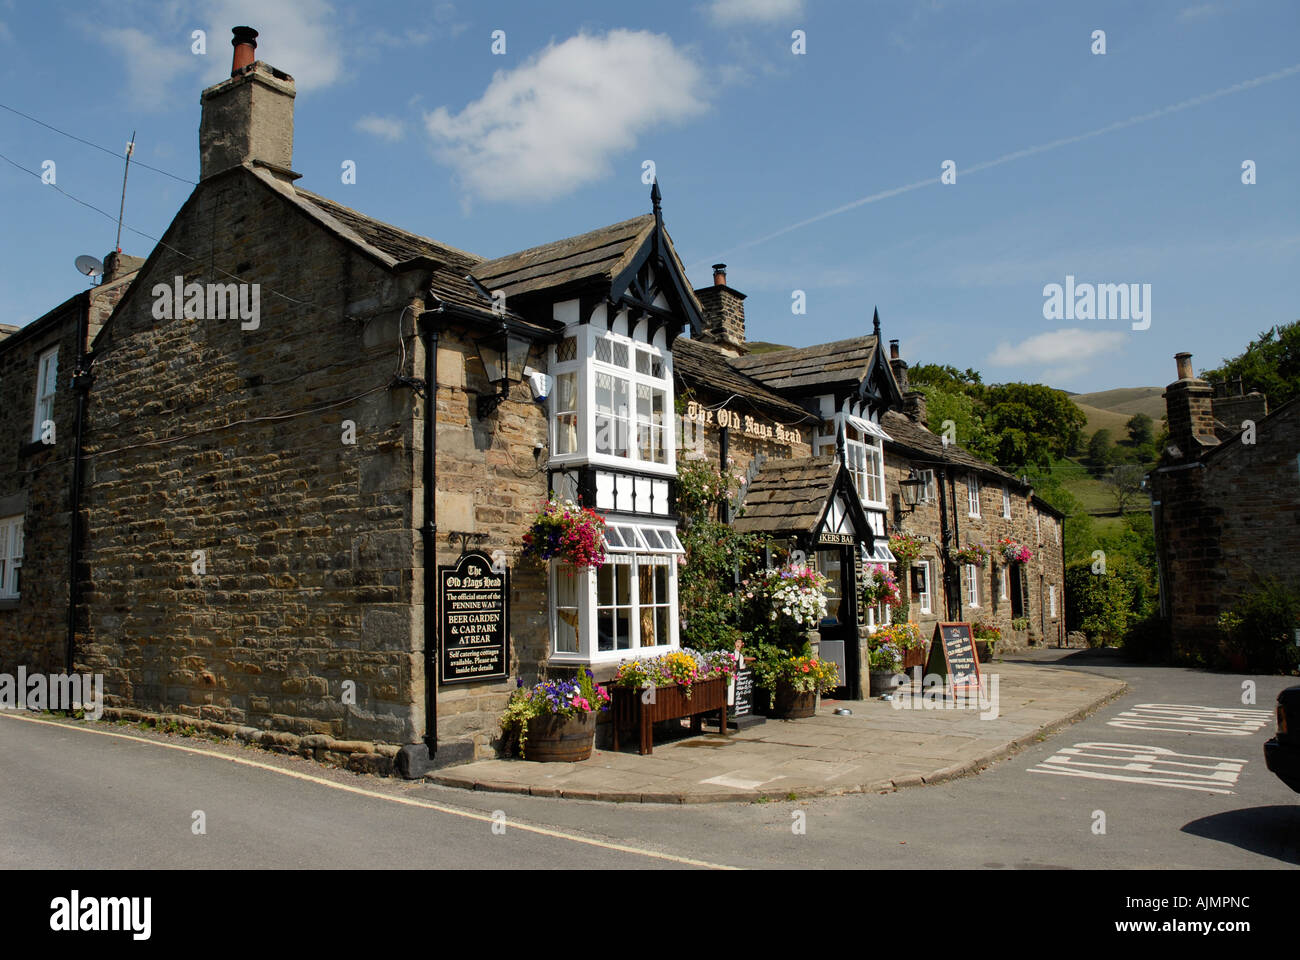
1132	171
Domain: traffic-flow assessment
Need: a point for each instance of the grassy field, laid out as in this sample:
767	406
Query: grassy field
1126	400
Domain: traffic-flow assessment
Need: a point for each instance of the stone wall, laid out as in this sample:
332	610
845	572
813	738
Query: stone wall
205	437
1044	569
491	479
1227	525
36	478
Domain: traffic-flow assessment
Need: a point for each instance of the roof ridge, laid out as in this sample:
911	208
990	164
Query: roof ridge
313	197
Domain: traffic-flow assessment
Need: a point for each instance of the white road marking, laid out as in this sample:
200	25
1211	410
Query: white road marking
406	801
1156	766
1185	718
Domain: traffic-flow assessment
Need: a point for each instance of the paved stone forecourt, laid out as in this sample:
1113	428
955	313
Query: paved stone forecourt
879	748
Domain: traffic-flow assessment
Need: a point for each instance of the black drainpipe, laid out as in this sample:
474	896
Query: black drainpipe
415	760
81	386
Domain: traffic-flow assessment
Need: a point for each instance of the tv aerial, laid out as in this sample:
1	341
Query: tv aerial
90	266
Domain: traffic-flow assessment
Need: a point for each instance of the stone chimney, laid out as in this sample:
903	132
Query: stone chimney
899	366
1189	410
248	117
724	314
914	407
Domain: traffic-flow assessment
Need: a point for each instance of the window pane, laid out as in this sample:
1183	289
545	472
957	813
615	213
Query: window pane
604	350
618	353
567	582
567	350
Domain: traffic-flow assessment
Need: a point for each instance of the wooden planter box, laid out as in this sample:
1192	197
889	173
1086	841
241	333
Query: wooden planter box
668	703
914	657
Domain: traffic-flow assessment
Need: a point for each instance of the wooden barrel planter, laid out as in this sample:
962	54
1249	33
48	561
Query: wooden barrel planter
790	704
914	657
554	739
632	709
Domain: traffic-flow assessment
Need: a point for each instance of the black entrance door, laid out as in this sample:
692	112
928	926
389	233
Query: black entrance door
839	629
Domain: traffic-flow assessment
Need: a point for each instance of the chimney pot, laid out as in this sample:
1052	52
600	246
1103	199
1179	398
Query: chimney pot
1184	361
893	349
245	43
719	274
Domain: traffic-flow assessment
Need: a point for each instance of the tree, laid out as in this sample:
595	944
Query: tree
1141	430
1270	364
1099	604
1028	424
947	404
1100	448
1125	484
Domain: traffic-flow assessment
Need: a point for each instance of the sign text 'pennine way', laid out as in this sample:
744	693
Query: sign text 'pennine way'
475	625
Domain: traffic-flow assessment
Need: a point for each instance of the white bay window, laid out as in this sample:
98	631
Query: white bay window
626	607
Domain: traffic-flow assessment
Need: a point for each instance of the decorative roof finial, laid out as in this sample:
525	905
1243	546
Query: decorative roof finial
655	197
875	322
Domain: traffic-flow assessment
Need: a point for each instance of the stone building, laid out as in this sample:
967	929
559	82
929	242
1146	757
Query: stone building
1224	503
865	433
39	397
302	427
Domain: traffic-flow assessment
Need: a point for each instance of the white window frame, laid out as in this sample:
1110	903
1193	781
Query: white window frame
1038	527
1004	581
1056	531
973	495
47	384
973	585
925	600
11	556
1006	502
866	463
1051	598
587	367
638	546
928	491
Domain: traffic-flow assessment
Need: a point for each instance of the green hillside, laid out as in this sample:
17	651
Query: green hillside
1126	400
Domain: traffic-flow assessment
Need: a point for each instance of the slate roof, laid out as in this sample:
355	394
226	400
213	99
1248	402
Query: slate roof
597	255
450	281
705	367
817	366
788	495
911	435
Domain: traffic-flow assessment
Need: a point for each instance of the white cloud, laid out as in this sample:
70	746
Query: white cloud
154	43
151	67
386	128
554	123
1059	353
729	12
299	38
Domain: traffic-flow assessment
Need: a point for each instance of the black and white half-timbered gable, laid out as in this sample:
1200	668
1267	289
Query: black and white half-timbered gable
620	298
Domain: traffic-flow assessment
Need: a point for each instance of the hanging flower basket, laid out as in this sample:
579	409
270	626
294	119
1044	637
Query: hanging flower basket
564	531
975	553
1013	552
881	586
906	548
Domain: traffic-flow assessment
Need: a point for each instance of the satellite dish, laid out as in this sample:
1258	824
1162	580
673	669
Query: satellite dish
90	266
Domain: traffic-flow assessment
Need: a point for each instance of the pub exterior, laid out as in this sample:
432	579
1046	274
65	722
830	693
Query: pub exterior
308	532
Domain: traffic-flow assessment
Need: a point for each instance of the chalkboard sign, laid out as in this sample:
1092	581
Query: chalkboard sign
952	655
474	620
744	696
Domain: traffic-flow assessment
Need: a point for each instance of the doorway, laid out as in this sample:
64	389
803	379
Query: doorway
839	628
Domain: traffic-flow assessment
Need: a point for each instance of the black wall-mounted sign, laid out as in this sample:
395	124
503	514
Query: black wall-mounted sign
475	621
952	655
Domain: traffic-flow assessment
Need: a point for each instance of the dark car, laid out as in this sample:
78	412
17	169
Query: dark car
1282	753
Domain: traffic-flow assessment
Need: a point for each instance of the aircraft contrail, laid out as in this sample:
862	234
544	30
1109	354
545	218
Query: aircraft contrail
1029	151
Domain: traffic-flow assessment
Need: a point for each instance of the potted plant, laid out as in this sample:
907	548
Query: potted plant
795	683
1020	627
779	608
562	530
906	548
907	638
880	586
986	637
681	683
555	720
976	553
1014	552
885	662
